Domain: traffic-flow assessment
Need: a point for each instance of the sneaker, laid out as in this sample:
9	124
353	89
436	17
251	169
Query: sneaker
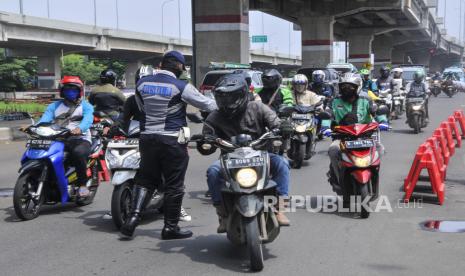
107	216
184	216
208	194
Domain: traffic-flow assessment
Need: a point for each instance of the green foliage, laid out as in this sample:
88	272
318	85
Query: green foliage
89	70
8	107
16	73
76	65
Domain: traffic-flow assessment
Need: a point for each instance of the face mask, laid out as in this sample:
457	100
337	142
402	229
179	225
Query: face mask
71	94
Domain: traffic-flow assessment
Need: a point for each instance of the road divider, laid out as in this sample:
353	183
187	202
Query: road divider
434	156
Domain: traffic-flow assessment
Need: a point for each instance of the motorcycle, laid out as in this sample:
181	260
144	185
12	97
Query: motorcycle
435	87
123	157
302	142
385	98
416	113
360	161
449	88
398	99
246	168
46	177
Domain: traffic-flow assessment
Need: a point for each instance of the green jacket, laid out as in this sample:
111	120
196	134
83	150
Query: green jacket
340	108
284	97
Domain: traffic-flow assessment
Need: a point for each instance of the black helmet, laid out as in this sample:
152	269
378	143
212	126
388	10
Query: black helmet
231	94
384	72
271	79
108	76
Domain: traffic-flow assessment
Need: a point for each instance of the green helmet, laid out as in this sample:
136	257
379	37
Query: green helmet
364	72
419	75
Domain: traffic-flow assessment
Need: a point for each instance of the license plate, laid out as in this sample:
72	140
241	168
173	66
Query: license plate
130	142
38	144
97	126
245	162
359	144
298	116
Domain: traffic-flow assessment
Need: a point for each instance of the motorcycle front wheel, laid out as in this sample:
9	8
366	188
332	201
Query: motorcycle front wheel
254	243
363	192
121	203
298	154
27	206
416	123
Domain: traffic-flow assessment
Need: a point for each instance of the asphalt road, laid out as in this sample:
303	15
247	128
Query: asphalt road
77	241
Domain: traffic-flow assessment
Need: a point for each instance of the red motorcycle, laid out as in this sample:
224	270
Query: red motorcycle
360	162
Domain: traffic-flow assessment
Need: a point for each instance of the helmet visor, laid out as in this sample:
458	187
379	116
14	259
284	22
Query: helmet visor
347	89
228	101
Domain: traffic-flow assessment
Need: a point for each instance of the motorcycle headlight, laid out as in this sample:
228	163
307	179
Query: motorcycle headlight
132	161
362	162
246	177
300	128
45	131
416	107
112	159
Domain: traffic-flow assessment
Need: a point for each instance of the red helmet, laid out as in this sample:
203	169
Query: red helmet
71	81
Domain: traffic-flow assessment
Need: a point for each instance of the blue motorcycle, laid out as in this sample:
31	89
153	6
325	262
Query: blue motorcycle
46	177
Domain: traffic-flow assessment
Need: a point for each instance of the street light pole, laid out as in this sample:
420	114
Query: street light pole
48	8
117	15
162	16
179	19
95	13
21	11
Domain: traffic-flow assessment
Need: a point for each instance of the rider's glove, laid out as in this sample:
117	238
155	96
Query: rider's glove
286	128
326	132
384	126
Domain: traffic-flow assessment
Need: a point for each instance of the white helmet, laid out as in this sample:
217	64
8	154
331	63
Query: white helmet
397	72
318	76
299	83
352	79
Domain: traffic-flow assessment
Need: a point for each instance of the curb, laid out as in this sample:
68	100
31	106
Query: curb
11	134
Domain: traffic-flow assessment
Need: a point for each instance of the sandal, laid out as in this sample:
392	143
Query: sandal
83	192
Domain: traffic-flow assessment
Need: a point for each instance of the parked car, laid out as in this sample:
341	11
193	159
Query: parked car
331	76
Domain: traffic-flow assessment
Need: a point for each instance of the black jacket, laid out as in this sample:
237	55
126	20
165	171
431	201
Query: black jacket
254	122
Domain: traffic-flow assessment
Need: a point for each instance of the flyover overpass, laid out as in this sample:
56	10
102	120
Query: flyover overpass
394	31
49	39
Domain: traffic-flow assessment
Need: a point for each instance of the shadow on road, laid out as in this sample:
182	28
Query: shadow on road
200	195
45	211
211	249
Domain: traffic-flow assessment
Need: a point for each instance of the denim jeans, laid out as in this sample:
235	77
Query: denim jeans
280	173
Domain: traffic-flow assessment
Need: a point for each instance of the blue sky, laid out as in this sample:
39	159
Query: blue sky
146	16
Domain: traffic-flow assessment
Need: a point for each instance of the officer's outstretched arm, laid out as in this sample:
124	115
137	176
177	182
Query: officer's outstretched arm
193	97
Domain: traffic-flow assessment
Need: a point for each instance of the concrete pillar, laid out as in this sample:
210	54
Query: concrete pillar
420	57
382	49
398	56
221	33
130	74
360	49
49	71
317	40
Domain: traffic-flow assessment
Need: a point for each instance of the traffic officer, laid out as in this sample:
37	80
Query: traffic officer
163	150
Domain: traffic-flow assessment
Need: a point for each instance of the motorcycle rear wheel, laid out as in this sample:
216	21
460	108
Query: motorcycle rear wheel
22	198
254	243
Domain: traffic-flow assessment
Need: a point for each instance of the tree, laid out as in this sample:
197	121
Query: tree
16	73
76	65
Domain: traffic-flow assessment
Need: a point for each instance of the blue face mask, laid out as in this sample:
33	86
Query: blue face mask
71	94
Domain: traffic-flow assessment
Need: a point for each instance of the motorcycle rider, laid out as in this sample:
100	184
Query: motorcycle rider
303	96
236	114
272	94
368	84
349	108
76	114
437	76
107	97
163	99
319	86
384	81
419	88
